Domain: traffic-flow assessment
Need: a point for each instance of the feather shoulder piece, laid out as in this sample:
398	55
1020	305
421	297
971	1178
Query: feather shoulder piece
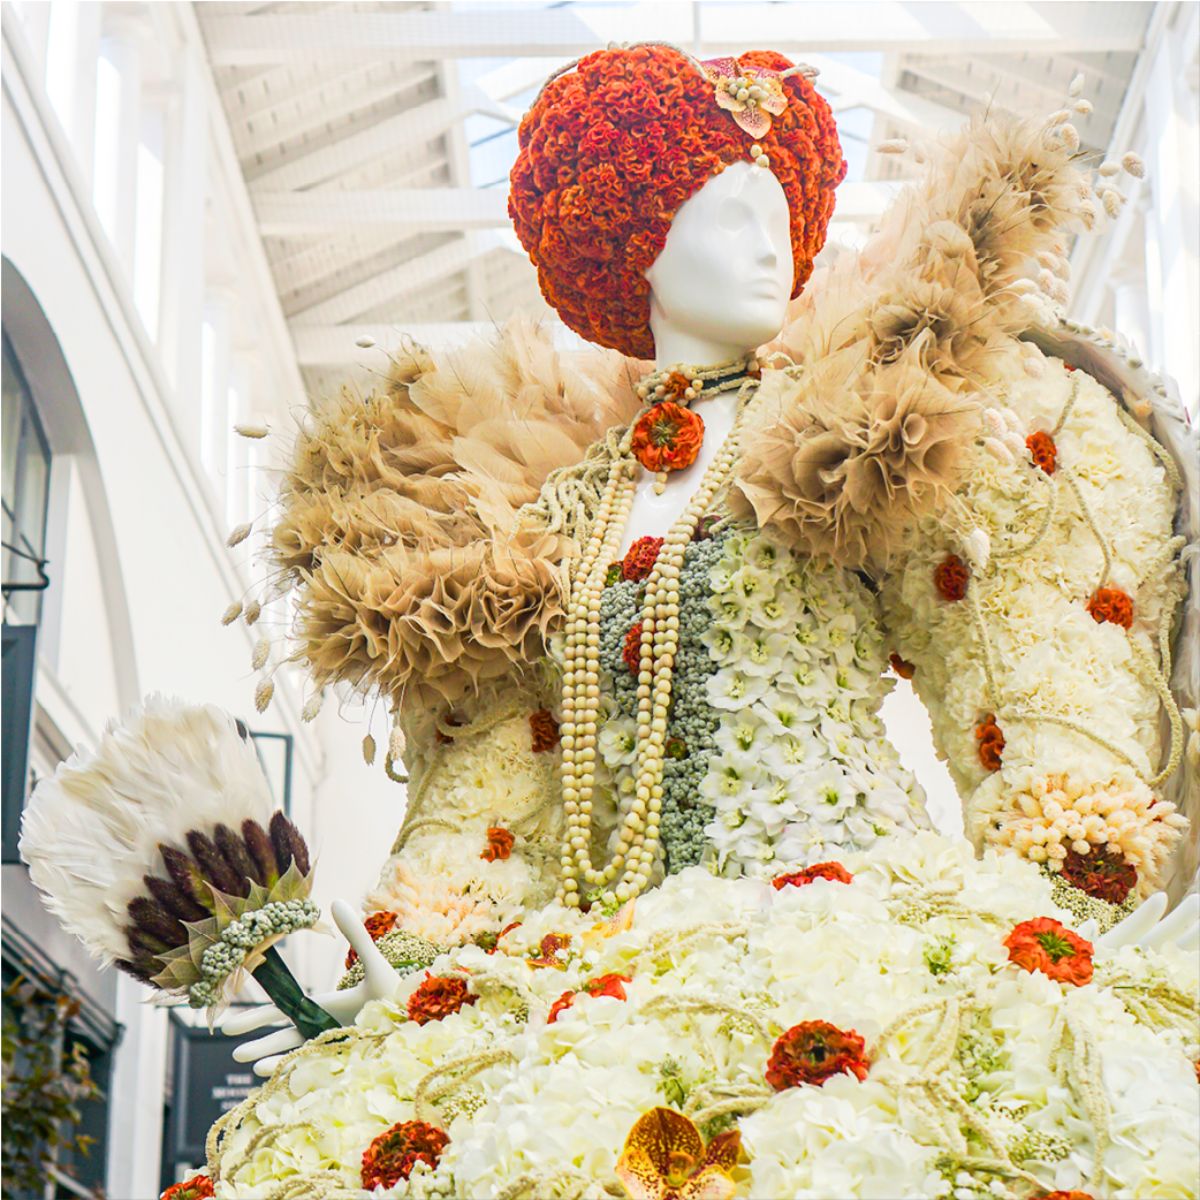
902	347
398	530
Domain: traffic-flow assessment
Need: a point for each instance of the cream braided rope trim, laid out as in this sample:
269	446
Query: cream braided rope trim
688	1005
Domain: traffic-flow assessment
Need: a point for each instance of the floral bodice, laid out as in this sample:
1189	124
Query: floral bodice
776	753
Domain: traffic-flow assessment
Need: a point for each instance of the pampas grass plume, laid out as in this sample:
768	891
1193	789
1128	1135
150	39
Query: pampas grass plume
262	652
253	612
232	613
312	706
1134	165
263	694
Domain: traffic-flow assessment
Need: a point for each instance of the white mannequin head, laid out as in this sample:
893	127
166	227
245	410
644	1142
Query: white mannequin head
721	284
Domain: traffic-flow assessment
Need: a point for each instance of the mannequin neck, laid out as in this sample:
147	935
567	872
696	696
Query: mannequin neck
675	345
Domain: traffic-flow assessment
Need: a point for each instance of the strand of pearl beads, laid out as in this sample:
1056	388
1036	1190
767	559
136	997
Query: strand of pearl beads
638	838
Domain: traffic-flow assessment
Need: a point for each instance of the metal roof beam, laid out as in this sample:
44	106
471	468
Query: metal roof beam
805	27
422	123
334	345
300	214
408	278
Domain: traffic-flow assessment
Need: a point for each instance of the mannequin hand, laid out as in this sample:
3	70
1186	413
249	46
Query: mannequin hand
1146	926
380	980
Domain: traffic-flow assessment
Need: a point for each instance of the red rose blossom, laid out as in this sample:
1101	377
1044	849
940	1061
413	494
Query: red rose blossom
1102	872
392	1156
667	437
640	560
1046	945
499	844
199	1187
377	923
813	1052
544	730
833	871
438	996
950	578
1043	451
991	742
632	651
1112	605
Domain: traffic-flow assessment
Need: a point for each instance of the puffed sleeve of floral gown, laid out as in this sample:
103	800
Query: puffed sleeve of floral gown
414	580
1019	490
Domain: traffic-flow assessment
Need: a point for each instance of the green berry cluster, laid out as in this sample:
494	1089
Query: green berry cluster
692	721
237	939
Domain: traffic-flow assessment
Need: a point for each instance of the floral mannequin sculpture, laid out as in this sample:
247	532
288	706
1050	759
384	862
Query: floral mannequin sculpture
665	910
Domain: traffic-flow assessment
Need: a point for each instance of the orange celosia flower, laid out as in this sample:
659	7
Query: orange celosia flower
1046	945
665	1158
950	578
640	560
438	996
392	1156
199	1187
667	437
1043	451
833	871
991	742
813	1052
544	730
901	666
1113	605
499	844
377	923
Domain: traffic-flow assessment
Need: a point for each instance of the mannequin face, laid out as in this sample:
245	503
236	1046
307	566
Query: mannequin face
721	285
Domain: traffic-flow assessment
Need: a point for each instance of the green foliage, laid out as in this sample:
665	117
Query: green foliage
43	1088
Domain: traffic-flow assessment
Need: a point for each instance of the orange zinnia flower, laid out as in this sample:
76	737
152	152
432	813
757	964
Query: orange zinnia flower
392	1156
813	1052
499	844
437	997
1112	605
833	871
991	742
1043	450
950	578
667	437
1046	945
199	1187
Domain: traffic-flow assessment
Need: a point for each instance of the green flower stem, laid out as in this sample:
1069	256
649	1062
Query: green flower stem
287	996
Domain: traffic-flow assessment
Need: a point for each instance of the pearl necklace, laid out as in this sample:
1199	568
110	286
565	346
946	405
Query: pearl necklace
637	842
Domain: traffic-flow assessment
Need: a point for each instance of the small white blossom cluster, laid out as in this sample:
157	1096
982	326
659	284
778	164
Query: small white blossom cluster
717	970
1075	698
803	770
437	882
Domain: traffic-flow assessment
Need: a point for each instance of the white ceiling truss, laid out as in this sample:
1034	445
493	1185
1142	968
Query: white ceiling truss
356	123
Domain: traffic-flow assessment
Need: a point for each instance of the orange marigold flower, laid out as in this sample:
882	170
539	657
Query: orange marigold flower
632	653
1113	605
1102	872
667	437
392	1156
1046	945
991	742
499	844
950	577
438	996
544	729
550	949
901	666
833	871
612	149
813	1052
377	923
640	560
1043	450
199	1187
